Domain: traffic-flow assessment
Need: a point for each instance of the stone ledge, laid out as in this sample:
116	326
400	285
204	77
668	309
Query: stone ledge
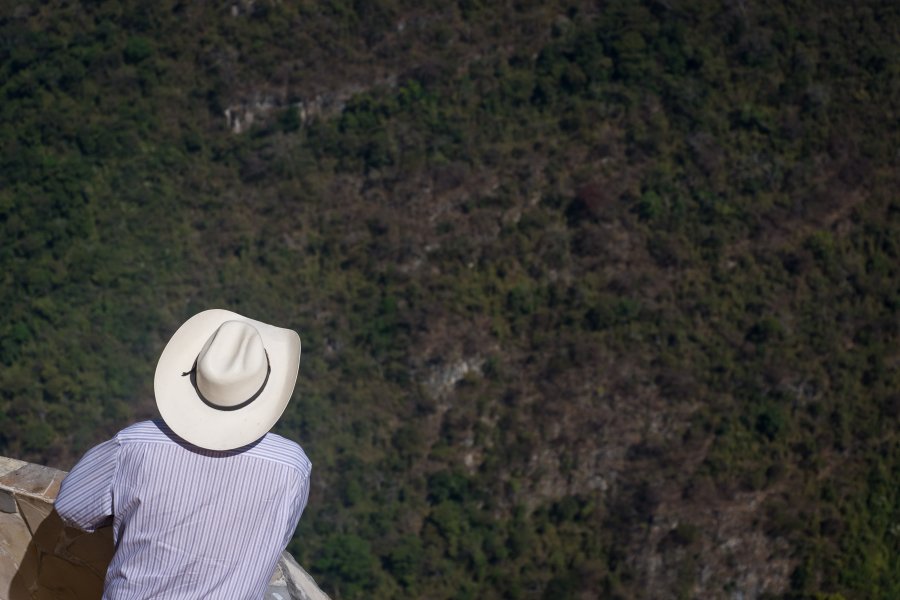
41	558
32	480
10	464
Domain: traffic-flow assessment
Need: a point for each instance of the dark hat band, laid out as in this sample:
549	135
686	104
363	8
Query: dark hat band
193	374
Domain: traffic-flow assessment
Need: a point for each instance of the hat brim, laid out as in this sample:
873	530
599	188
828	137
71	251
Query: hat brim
211	428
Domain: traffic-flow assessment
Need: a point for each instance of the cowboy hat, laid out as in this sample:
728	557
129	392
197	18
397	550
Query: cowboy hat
223	380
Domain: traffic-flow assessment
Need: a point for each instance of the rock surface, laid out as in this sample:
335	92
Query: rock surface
291	582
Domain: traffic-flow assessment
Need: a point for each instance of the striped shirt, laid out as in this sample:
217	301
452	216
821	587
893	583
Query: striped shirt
188	523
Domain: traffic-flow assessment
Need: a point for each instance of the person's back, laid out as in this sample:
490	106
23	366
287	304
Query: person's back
204	501
189	523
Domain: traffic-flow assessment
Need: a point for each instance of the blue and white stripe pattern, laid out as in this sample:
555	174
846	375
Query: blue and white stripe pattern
188	523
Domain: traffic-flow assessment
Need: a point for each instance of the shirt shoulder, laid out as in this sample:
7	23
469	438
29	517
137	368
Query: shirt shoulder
279	449
271	447
143	431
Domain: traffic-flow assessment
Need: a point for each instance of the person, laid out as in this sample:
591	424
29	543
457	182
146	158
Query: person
203	501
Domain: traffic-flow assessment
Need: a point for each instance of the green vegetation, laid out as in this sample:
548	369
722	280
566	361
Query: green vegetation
595	301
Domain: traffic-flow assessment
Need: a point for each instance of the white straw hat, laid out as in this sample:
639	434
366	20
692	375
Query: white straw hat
224	380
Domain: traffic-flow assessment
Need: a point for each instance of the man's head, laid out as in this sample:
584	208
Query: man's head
223	380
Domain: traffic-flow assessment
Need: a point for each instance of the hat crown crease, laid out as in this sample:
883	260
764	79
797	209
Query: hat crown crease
232	365
233	357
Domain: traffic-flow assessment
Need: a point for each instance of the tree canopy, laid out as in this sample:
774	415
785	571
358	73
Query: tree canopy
595	299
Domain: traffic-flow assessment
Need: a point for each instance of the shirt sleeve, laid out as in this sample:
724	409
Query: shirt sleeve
85	499
298	504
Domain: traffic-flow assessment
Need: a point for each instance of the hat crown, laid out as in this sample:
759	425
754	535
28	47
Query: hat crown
232	365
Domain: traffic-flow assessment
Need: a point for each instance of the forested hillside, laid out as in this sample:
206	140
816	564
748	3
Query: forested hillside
596	299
